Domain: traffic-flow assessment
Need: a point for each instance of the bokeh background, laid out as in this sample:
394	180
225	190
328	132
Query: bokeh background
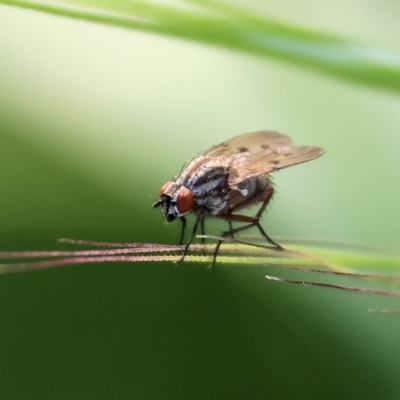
95	118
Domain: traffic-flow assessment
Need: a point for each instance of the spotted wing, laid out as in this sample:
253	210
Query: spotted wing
250	142
260	153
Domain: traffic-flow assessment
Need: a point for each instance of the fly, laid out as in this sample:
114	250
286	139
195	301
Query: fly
230	177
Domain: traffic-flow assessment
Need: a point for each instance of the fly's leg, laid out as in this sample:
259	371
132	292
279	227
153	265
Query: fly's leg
203	232
230	232
258	216
251	221
230	228
195	226
183	219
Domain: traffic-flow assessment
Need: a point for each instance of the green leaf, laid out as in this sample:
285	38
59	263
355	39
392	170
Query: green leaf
316	259
223	25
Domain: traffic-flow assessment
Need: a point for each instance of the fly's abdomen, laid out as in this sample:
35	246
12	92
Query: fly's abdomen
248	192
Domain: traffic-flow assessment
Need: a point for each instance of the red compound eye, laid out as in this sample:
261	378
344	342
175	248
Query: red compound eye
185	200
164	187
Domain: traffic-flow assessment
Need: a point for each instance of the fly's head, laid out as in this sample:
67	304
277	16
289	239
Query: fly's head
176	200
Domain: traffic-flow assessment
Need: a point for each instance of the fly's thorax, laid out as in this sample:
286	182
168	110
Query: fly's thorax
176	200
207	171
214	203
207	179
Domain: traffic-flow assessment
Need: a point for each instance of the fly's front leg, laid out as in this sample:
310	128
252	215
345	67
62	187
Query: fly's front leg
196	224
183	219
203	232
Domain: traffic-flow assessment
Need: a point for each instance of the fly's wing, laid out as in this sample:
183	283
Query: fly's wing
260	153
257	153
252	142
243	145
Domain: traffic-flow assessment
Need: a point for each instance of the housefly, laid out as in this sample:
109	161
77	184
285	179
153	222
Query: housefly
230	177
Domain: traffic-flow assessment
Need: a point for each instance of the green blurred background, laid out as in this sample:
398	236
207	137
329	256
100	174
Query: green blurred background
94	119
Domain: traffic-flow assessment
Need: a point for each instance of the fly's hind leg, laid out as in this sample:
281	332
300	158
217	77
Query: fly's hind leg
251	221
258	216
